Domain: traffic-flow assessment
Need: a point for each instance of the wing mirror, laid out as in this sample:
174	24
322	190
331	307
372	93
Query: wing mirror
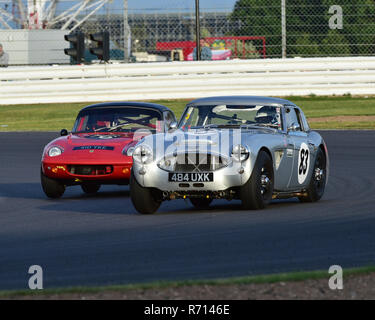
64	132
173	125
294	127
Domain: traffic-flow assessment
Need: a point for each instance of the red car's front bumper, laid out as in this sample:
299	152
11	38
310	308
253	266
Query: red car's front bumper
88	171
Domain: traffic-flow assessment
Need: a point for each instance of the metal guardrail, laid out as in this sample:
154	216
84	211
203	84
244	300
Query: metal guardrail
171	80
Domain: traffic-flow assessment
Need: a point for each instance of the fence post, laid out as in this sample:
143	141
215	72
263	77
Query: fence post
126	32
283	29
197	31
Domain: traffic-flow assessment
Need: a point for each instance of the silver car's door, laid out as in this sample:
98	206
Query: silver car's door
283	162
301	150
283	154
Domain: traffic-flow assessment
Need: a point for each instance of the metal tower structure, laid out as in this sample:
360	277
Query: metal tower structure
42	14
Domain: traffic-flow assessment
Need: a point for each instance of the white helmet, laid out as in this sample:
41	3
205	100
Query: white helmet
266	115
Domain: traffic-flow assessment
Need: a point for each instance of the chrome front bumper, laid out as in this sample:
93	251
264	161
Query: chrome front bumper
234	175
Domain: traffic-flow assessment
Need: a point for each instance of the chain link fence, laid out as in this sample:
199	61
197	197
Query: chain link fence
244	29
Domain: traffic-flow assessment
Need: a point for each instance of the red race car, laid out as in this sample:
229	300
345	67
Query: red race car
99	149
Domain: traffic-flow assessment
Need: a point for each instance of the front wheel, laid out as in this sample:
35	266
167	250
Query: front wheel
142	198
200	203
90	188
256	193
318	179
51	187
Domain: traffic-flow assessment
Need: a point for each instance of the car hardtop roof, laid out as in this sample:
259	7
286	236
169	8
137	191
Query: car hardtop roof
240	100
149	105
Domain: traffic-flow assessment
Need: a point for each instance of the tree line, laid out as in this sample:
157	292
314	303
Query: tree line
307	26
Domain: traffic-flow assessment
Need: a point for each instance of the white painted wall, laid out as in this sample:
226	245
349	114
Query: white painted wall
27	47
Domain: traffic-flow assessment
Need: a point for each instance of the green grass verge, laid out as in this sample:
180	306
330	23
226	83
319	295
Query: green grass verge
346	125
261	279
53	117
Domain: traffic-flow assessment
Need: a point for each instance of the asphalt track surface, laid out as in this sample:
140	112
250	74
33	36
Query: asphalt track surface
101	240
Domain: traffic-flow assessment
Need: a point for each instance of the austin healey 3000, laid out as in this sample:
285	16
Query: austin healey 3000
250	148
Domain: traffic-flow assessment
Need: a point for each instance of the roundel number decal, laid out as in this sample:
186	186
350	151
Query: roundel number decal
303	163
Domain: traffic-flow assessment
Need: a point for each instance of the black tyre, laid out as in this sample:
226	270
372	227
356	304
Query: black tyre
256	193
90	188
318	179
51	187
201	203
142	198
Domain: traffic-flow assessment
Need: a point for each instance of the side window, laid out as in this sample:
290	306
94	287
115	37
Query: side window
191	117
172	116
291	117
302	119
168	119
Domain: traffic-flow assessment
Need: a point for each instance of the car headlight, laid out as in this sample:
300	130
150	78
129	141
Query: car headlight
129	148
130	151
240	153
55	151
142	154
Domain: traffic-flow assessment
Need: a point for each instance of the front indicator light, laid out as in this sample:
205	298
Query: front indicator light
167	164
57	168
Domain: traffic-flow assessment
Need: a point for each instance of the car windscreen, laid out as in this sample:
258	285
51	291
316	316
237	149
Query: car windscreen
119	119
231	115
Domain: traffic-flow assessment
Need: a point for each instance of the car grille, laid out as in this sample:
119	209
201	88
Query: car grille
199	162
94	170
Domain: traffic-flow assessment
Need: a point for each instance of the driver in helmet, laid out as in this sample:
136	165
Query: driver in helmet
267	115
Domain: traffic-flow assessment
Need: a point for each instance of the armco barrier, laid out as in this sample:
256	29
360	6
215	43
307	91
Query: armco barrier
171	80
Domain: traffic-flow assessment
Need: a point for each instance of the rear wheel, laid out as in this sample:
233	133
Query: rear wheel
90	188
52	188
318	179
200	203
142	198
256	193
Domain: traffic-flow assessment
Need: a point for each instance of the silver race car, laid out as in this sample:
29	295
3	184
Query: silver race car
250	148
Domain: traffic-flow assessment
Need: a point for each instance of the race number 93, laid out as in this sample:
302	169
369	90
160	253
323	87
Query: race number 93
303	163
